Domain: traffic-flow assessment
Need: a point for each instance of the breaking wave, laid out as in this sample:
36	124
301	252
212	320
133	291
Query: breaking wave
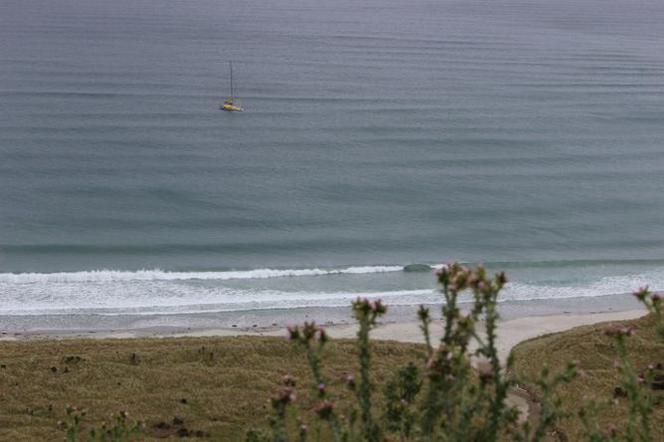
160	275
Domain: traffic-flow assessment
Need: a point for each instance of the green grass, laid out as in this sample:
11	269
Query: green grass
596	354
226	383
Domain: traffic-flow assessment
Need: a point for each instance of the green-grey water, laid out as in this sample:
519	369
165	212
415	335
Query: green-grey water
526	134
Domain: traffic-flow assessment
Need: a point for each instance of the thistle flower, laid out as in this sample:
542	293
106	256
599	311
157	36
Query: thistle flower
484	369
350	380
293	332
443	271
642	293
284	397
309	330
321	336
379	308
324	409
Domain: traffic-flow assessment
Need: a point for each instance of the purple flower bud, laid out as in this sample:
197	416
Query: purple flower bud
350	380
321	336
484	369
641	293
324	410
443	270
293	332
284	397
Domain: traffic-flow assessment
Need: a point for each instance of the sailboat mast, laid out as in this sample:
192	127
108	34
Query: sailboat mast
230	63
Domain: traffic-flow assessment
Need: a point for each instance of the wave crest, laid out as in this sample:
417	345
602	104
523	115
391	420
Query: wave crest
161	275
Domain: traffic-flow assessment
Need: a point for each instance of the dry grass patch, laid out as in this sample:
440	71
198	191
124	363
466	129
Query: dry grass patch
219	386
596	354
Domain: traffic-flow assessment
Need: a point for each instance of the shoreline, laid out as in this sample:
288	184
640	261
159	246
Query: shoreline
511	331
82	325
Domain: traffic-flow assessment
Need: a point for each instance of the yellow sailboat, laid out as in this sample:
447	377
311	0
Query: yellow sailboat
231	104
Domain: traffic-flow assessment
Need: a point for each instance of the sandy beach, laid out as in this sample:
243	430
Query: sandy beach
510	331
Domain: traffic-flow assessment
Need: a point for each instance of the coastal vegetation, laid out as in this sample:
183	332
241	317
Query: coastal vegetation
459	391
621	368
597	383
211	388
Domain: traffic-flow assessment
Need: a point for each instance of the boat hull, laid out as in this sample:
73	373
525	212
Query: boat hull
231	108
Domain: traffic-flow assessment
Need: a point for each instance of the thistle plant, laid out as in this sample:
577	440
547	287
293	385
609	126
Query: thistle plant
72	423
367	313
551	406
653	302
400	394
638	397
634	386
313	339
122	430
445	398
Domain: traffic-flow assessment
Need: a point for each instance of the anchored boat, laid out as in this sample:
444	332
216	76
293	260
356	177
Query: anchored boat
231	104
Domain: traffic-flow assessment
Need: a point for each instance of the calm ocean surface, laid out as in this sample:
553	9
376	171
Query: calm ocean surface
526	134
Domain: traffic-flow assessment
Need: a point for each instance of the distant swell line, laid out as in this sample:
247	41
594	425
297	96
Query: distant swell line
160	275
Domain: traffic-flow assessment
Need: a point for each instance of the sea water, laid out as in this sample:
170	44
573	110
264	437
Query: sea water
525	134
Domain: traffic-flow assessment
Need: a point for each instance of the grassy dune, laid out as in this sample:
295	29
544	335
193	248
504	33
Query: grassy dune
218	386
596	355
221	386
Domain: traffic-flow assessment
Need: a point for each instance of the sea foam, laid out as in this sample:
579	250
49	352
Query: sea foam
149	292
161	275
